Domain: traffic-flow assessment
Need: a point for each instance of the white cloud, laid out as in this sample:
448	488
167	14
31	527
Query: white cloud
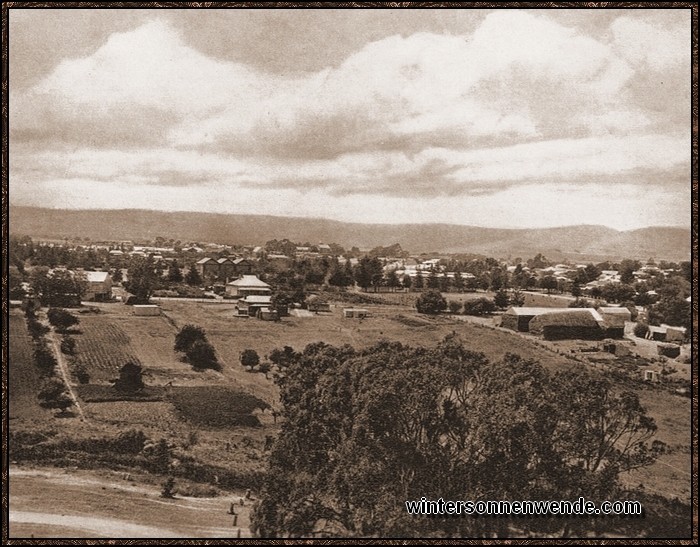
432	123
651	46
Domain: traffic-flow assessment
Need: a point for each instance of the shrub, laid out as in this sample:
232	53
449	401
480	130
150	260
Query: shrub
61	319
454	306
188	335
130	379
641	330
82	374
44	359
479	306
131	441
168	489
36	328
68	345
53	395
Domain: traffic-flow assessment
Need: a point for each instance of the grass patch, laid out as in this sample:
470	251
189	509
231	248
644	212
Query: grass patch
412	321
99	393
216	406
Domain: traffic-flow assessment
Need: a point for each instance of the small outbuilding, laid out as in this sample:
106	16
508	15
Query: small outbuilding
148	310
615	320
355	313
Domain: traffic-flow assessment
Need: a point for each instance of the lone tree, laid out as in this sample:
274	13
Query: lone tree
61	319
201	354
431	302
175	273
188	335
142	279
249	358
130	379
501	300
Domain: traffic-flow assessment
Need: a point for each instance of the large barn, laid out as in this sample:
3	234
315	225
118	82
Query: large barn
518	319
572	324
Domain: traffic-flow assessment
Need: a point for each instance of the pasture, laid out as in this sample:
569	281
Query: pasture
24	378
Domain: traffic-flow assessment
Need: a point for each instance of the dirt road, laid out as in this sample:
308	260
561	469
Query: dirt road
52	503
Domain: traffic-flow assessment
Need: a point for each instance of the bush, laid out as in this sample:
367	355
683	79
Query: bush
131	441
36	328
61	319
53	395
68	346
81	373
479	306
454	306
188	335
44	359
641	330
168	489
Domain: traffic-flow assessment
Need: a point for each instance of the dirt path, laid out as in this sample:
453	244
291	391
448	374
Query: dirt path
105	527
63	368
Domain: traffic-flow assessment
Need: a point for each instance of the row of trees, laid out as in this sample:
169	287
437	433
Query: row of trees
366	430
432	302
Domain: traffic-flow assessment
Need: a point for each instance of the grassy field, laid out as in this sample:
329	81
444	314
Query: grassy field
24	378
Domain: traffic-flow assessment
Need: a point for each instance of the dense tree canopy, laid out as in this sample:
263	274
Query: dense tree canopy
366	430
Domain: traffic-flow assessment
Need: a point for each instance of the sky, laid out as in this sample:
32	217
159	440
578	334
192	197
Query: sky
496	118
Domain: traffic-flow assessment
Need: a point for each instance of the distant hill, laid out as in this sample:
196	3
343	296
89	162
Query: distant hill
573	242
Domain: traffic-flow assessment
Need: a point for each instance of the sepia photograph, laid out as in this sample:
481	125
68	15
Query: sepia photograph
386	273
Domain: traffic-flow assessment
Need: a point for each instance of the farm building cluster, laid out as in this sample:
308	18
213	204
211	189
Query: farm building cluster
568	323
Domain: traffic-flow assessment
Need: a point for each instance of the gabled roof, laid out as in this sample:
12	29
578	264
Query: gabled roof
239	260
534	311
612	310
224	261
97	277
249	281
205	260
573	317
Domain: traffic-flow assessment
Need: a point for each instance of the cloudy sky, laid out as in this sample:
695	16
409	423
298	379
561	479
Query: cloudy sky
496	118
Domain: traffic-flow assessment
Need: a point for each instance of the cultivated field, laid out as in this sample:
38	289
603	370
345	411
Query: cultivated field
103	348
